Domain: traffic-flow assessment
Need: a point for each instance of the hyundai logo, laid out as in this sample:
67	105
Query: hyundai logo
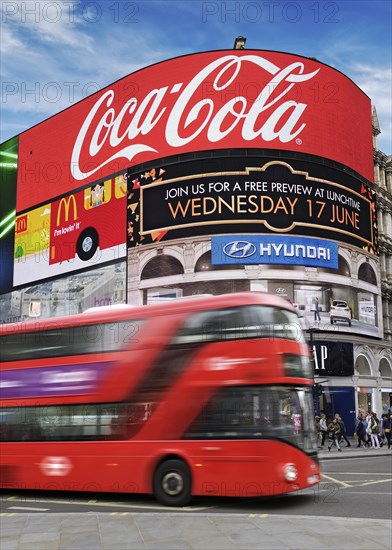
239	249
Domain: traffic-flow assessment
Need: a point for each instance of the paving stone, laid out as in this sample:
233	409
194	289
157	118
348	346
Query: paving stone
9	545
34	537
8	541
38	546
79	541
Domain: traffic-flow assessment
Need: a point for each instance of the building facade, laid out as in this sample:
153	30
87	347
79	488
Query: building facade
215	173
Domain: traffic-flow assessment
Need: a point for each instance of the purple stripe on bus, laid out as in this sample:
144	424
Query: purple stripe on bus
56	381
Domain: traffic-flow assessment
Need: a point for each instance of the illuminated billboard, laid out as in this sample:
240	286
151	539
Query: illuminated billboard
241	99
78	231
331	307
225	195
273	249
8	176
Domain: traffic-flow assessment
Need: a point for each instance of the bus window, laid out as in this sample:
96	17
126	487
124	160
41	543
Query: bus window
62	341
257	412
240	323
74	422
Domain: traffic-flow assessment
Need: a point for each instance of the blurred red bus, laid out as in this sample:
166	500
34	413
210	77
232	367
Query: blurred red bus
200	396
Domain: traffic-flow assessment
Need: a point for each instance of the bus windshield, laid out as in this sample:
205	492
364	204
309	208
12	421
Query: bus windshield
258	412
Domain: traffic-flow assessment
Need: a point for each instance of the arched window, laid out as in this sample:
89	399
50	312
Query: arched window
343	268
162	266
362	367
366	273
385	368
204	264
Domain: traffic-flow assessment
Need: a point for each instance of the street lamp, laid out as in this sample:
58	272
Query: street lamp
239	43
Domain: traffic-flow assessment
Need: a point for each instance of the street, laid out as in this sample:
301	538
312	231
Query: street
359	487
350	509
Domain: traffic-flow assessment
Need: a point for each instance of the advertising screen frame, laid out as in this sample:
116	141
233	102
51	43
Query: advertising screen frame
79	231
232	89
166	201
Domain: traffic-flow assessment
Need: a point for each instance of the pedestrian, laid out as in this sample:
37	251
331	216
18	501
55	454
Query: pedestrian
360	430
317	311
334	434
323	428
318	432
386	428
342	430
373	430
367	422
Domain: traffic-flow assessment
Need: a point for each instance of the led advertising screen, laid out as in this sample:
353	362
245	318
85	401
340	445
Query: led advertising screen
331	307
205	101
79	231
226	195
8	175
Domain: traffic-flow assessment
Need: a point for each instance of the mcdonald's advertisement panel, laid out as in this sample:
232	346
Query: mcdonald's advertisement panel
78	231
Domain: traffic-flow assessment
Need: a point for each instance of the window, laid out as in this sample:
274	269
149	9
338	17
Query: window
73	422
204	264
258	412
162	266
78	340
366	273
240	323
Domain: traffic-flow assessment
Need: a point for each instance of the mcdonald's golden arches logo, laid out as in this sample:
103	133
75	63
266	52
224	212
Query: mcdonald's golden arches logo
66	202
21	224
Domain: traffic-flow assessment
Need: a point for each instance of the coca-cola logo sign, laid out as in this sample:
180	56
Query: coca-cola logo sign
124	132
213	100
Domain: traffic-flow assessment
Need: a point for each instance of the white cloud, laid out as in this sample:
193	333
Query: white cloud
51	22
9	42
38	81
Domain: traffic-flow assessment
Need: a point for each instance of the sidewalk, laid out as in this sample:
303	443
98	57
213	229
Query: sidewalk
93	531
353	451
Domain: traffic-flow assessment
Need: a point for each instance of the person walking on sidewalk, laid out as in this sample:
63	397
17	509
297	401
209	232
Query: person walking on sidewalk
334	434
323	428
360	430
386	428
373	429
342	430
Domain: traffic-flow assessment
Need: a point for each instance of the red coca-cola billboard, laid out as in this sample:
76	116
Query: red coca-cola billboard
212	100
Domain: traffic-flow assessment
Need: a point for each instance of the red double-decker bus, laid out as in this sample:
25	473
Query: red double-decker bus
200	396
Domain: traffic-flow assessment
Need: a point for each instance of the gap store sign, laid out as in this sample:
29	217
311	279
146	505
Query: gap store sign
273	249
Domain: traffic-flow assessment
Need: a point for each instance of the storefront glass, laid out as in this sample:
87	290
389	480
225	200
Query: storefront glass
66	296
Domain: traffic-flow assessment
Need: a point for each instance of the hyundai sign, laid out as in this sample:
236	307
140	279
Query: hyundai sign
271	249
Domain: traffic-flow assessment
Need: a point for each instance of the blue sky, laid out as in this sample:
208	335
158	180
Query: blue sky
54	53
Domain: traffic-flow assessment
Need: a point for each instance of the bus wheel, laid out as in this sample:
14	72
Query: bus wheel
87	244
172	483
